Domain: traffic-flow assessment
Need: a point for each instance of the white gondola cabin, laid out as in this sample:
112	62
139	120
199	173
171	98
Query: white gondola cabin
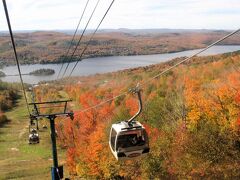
127	142
129	139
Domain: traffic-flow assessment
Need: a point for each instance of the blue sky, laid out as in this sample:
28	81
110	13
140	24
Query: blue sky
135	14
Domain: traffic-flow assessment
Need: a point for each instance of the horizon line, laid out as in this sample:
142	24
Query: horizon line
134	29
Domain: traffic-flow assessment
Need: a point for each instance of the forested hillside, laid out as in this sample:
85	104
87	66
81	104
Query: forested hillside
191	114
8	97
49	47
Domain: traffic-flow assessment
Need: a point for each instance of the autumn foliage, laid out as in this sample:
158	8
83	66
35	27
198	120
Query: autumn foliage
191	115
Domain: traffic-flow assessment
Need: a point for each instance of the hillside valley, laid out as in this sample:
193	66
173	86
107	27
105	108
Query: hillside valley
51	47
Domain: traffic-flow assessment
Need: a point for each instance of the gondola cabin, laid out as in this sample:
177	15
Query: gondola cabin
33	137
128	140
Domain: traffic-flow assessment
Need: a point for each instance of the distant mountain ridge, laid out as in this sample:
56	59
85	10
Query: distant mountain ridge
51	46
123	30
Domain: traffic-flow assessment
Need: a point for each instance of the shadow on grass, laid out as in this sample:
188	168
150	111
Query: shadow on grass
3	124
15	103
27	173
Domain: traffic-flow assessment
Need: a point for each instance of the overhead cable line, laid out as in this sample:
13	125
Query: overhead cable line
78	43
76	30
104	102
80	57
162	73
15	53
188	58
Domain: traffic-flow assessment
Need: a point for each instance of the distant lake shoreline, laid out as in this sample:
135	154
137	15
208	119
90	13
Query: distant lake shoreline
110	55
91	66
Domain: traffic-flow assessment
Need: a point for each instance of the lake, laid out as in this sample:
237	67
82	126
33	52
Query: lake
105	64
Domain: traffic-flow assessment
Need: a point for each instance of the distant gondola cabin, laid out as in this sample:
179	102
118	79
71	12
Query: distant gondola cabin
33	137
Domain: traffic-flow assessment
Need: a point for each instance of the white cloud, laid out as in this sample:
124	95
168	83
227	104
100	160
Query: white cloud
64	14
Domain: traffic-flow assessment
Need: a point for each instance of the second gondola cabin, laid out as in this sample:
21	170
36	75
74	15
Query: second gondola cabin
33	137
128	140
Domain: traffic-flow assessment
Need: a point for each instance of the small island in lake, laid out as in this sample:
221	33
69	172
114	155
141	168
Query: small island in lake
42	72
2	74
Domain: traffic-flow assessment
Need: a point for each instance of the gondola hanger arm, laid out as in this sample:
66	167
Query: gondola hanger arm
137	91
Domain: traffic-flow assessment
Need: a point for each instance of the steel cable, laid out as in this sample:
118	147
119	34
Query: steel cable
15	54
71	43
80	57
79	41
163	72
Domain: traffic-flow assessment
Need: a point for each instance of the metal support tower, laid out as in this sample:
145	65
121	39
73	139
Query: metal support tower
56	171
